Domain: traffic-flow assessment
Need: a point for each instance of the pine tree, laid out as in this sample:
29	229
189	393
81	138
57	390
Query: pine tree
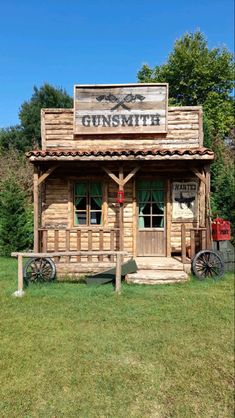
16	231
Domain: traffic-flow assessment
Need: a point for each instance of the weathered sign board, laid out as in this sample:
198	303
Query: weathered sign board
120	109
184	200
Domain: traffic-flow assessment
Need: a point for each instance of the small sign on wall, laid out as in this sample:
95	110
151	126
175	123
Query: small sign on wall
184	200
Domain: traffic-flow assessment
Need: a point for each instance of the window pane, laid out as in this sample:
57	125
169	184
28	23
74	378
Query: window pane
95	218
157	210
81	189
158	221
80	203
144	222
80	218
147	208
96	203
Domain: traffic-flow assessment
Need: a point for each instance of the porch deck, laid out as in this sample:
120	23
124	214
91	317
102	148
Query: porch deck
151	270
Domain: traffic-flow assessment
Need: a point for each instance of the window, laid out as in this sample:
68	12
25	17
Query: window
88	204
151	204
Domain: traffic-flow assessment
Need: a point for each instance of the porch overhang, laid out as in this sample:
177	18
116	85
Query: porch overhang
121	155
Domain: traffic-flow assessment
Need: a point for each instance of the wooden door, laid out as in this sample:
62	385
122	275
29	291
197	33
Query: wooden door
151	236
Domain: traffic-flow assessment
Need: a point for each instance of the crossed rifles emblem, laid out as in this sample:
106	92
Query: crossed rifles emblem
129	98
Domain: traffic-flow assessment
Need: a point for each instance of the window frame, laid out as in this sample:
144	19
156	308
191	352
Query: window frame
88	209
151	215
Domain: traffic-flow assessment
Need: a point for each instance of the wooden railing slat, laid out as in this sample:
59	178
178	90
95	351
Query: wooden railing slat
101	244
89	243
183	243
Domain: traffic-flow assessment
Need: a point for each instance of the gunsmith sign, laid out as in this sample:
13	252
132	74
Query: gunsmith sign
115	109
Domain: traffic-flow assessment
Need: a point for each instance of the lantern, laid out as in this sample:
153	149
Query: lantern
120	196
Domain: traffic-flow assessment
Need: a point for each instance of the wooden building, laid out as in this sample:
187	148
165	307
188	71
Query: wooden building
121	171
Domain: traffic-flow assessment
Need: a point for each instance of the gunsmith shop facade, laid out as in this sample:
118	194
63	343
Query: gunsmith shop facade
121	171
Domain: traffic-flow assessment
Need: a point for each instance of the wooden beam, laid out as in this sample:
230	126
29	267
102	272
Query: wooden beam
35	208
168	218
130	175
199	175
20	273
121	220
112	175
67	253
118	274
207	204
46	174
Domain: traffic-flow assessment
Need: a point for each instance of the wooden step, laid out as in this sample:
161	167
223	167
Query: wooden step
158	263
157	277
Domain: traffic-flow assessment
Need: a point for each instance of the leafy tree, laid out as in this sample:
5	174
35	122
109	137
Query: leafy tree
27	135
30	112
200	76
16	231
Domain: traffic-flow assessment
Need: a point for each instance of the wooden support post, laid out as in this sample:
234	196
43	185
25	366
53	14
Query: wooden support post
35	208
121	220
118	274
207	204
20	273
203	239
168	218
183	244
192	242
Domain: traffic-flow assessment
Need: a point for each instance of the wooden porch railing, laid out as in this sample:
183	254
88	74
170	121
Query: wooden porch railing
83	239
197	242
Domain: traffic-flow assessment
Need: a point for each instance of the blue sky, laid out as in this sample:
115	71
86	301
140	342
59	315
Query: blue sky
67	42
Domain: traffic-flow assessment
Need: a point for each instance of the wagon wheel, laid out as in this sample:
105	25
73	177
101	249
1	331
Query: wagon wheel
208	263
39	270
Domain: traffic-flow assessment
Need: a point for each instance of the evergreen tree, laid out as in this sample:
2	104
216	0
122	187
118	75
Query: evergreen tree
16	223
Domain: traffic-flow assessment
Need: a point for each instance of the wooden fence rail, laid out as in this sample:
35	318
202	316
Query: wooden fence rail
197	242
117	254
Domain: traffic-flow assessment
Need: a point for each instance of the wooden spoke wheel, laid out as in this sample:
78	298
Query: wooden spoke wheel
208	263
39	270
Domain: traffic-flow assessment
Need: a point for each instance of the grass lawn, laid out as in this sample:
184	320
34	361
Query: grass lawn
68	350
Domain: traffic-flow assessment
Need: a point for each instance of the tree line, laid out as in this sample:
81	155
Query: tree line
196	75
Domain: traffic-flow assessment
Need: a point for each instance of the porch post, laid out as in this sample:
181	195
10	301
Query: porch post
35	209
121	228
207	208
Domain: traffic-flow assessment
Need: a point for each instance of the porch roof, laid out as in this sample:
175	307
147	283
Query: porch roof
121	154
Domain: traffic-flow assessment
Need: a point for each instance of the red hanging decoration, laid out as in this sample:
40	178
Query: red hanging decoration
120	196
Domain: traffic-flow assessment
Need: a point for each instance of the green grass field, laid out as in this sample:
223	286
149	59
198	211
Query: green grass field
68	350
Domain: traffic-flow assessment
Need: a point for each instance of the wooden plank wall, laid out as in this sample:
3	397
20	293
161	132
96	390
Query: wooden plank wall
184	131
56	216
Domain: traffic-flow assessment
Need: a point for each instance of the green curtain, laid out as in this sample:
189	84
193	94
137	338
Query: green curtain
158	196
96	193
143	197
81	191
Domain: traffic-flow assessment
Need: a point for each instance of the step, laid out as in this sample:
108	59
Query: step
161	263
157	277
